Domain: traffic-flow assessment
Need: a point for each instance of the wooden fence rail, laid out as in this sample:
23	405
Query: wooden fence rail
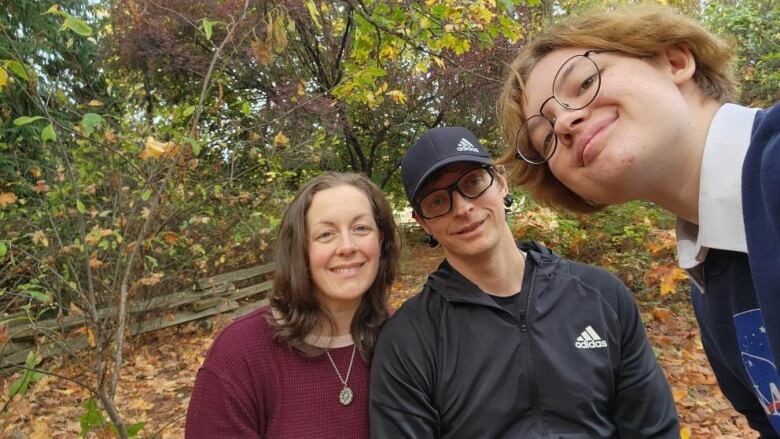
214	295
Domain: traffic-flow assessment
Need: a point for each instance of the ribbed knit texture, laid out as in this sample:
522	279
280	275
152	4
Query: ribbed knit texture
252	387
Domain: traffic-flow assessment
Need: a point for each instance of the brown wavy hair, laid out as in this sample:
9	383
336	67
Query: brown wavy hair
637	30
292	295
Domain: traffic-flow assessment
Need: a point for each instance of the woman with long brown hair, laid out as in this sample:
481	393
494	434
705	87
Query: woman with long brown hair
299	368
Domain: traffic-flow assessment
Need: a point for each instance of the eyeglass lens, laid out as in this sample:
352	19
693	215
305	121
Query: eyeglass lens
471	185
575	86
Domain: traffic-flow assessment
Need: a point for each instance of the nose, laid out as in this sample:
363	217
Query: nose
460	204
347	244
567	123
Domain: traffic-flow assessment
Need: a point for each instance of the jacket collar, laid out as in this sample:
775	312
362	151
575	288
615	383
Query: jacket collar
455	287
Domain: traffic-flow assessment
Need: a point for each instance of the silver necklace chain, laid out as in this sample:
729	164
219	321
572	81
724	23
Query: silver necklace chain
345	397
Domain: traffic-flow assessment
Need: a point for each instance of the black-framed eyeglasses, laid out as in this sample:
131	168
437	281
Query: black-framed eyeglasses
471	185
575	86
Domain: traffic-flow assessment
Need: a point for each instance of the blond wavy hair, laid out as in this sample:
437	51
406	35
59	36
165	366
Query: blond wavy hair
637	30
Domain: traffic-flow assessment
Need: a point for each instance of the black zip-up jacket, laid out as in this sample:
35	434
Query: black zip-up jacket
573	363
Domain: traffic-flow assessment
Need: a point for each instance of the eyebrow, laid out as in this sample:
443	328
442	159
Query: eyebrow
356	218
565	74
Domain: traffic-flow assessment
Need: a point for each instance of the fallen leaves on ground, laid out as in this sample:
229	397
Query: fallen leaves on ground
160	371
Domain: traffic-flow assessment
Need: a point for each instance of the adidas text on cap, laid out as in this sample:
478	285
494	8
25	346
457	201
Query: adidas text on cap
437	148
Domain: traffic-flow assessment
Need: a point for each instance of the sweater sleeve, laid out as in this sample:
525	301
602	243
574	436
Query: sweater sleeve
216	410
402	374
643	405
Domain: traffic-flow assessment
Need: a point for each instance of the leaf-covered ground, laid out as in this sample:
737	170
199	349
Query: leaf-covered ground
161	367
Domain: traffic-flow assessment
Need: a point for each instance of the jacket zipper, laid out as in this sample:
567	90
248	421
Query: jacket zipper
524	322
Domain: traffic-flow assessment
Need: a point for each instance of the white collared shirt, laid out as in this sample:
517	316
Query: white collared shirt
721	225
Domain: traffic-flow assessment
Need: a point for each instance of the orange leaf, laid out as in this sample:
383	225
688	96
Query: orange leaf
3	334
7	198
662	314
170	238
95	263
154	149
679	394
151	280
666	276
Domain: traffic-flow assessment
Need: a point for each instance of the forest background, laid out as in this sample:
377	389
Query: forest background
148	143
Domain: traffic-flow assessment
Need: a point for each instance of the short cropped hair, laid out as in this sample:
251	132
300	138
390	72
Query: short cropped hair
292	296
638	30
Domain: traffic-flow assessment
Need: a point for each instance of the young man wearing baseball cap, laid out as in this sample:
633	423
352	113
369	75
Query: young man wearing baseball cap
505	339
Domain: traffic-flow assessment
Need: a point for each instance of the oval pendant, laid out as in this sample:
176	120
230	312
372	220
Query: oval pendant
345	397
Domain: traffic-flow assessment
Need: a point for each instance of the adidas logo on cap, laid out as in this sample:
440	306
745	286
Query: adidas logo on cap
465	145
590	340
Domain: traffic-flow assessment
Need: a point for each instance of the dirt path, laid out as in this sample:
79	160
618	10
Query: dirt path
161	368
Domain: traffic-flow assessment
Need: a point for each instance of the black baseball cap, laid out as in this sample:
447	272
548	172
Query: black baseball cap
435	149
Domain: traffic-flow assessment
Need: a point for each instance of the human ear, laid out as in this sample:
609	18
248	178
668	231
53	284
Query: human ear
680	62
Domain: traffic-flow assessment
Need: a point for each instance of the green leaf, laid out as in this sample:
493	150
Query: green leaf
76	25
146	195
90	121
245	108
31	360
314	13
80	207
54	9
24	120
189	110
506	5
17	69
39	296
48	133
19	387
134	429
208	28
3	249
91	418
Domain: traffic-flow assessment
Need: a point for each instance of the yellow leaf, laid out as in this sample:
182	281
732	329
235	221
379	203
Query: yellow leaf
301	88
3	77
39	238
109	136
685	433
388	52
91	338
679	394
154	149
439	62
398	96
280	139
40	430
313	13
7	198
95	103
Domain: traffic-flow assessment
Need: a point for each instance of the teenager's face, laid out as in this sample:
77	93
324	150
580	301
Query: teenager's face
612	150
473	226
344	246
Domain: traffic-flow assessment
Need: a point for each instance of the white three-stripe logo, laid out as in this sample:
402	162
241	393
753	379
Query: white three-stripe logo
589	339
465	145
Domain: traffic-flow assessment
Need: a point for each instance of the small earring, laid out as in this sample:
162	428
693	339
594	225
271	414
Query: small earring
508	200
429	240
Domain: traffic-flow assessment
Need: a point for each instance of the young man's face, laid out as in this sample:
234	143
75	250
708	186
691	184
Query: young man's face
616	148
472	226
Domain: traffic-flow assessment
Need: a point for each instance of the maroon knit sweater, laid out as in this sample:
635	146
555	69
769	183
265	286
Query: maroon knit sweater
252	387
